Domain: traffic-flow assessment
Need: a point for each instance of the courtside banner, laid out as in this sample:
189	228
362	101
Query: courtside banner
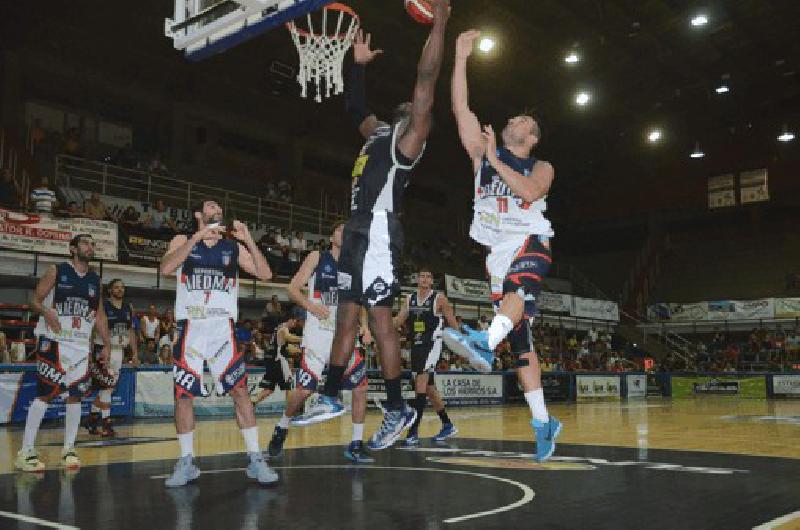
786	385
595	309
598	387
466	289
34	233
741	309
688	312
155	396
636	385
747	386
18	390
459	388
787	307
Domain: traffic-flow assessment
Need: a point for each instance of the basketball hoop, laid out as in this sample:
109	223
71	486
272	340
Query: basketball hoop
322	50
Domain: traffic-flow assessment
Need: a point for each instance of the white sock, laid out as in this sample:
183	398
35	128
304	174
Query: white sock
186	441
283	423
250	436
358	432
105	397
500	327
32	423
535	399
72	422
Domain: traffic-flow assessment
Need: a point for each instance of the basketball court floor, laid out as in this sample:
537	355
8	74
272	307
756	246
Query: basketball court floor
696	463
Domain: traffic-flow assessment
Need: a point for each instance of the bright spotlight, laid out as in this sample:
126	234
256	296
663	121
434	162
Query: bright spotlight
697	153
654	136
582	98
486	44
572	58
699	20
722	89
786	135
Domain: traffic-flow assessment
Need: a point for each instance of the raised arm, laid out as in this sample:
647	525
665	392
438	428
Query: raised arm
402	316
446	310
469	128
430	63
251	260
355	100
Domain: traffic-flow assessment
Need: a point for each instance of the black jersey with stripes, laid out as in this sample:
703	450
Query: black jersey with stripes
381	173
424	326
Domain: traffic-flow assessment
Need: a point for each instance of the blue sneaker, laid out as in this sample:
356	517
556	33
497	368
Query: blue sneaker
326	408
357	453
546	434
472	346
395	422
448	431
411	440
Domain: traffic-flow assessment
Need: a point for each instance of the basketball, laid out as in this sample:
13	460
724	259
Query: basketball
420	10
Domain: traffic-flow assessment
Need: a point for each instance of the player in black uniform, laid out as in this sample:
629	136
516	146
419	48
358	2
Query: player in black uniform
422	315
283	345
119	314
373	238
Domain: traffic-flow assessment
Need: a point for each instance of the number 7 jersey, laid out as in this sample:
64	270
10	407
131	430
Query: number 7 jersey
499	214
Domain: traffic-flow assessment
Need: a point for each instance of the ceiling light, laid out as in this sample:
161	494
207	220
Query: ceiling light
583	98
786	135
722	89
699	20
654	136
697	153
486	44
572	58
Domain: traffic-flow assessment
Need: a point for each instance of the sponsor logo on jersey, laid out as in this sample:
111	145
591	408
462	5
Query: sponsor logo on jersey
92	291
50	373
233	377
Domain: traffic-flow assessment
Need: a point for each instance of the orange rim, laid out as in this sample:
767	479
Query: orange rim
336	6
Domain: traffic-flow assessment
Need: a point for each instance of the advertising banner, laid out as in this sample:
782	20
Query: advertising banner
688	312
548	302
722	385
595	309
658	312
636	385
139	246
31	232
786	385
556	386
458	388
741	309
18	390
466	289
598	386
787	307
155	396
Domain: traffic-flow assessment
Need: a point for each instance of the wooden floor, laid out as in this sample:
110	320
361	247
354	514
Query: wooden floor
714	424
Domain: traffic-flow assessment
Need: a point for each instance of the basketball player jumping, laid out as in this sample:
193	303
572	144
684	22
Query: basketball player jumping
206	306
372	242
68	299
119	314
511	187
422	314
320	272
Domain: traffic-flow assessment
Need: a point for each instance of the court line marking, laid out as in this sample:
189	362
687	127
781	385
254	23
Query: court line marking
35	520
780	521
527	493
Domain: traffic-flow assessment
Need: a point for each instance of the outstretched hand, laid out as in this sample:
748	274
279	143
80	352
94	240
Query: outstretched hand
491	142
466	43
362	53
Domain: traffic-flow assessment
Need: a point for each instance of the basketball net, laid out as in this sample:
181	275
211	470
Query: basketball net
322	50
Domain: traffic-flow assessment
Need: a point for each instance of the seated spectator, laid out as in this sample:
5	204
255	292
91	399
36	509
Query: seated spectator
272	191
95	208
148	354
150	325
167	322
284	191
168	338
129	217
43	199
299	242
282	240
9	191
5	351
157	166
73	210
483	323
273	308
165	354
158	219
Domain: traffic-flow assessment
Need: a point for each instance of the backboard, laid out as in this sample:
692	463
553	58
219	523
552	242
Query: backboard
206	27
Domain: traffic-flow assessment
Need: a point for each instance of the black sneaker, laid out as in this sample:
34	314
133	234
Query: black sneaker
356	452
92	423
275	448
